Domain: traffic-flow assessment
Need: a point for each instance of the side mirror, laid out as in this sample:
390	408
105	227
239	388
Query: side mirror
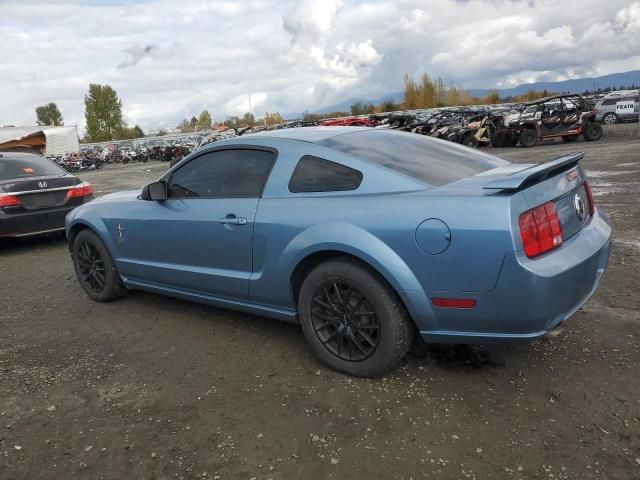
155	191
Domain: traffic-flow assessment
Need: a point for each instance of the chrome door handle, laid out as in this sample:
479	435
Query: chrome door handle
233	220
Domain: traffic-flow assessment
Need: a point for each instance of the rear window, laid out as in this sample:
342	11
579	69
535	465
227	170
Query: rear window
314	174
27	167
435	162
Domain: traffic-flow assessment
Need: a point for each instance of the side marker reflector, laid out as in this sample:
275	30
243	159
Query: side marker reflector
453	302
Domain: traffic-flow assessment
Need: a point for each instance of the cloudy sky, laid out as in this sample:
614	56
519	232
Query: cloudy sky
169	59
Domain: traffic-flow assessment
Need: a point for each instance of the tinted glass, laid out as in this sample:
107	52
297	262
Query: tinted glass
435	162
314	174
223	174
610	101
27	167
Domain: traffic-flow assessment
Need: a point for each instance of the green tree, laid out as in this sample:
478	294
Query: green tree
49	114
310	117
388	105
193	122
204	120
492	97
232	121
185	126
102	113
411	92
357	108
248	120
126	133
139	131
273	118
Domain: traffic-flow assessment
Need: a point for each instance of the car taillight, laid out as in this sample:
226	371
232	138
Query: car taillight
7	200
81	190
540	229
592	205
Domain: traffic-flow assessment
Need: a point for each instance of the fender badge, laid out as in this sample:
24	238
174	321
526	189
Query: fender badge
120	231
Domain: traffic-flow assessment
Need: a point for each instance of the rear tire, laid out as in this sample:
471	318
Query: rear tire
499	138
95	268
470	140
592	132
528	138
354	322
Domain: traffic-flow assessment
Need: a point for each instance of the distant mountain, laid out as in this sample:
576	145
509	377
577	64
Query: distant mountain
346	105
577	85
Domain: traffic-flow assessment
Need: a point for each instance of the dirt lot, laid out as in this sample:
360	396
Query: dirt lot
151	387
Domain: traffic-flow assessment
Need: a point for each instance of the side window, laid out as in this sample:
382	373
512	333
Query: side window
313	174
609	101
223	174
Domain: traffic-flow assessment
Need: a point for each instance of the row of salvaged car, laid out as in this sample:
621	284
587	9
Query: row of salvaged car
561	116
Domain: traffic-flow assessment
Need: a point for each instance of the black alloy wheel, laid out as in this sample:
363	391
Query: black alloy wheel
91	267
95	269
353	320
345	321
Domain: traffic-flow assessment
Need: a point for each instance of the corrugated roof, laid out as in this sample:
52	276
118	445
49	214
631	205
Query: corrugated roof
16	133
59	140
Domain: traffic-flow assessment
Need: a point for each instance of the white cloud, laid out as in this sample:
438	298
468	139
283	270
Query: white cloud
169	60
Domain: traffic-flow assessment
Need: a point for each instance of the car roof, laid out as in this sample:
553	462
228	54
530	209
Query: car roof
308	134
553	97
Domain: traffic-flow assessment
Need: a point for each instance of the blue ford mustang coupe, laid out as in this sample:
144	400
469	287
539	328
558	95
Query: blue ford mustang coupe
363	236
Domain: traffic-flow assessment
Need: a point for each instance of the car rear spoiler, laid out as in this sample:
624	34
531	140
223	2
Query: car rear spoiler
540	172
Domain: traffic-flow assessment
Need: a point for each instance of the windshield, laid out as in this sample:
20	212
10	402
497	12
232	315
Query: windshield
11	168
434	162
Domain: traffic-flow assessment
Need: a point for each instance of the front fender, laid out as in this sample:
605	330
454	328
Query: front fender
79	218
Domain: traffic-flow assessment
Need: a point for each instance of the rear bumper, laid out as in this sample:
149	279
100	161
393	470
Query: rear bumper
33	223
532	296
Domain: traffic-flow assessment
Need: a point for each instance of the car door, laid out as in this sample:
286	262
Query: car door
200	238
627	108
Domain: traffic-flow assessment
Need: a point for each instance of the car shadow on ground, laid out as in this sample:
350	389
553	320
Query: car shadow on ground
19	245
455	357
467	358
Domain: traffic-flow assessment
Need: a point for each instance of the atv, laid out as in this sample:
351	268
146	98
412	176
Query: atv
565	116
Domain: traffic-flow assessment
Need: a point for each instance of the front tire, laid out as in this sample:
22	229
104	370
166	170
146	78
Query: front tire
528	138
95	268
610	118
592	132
353	321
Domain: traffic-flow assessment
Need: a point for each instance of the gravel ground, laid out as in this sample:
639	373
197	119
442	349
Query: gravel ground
151	387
